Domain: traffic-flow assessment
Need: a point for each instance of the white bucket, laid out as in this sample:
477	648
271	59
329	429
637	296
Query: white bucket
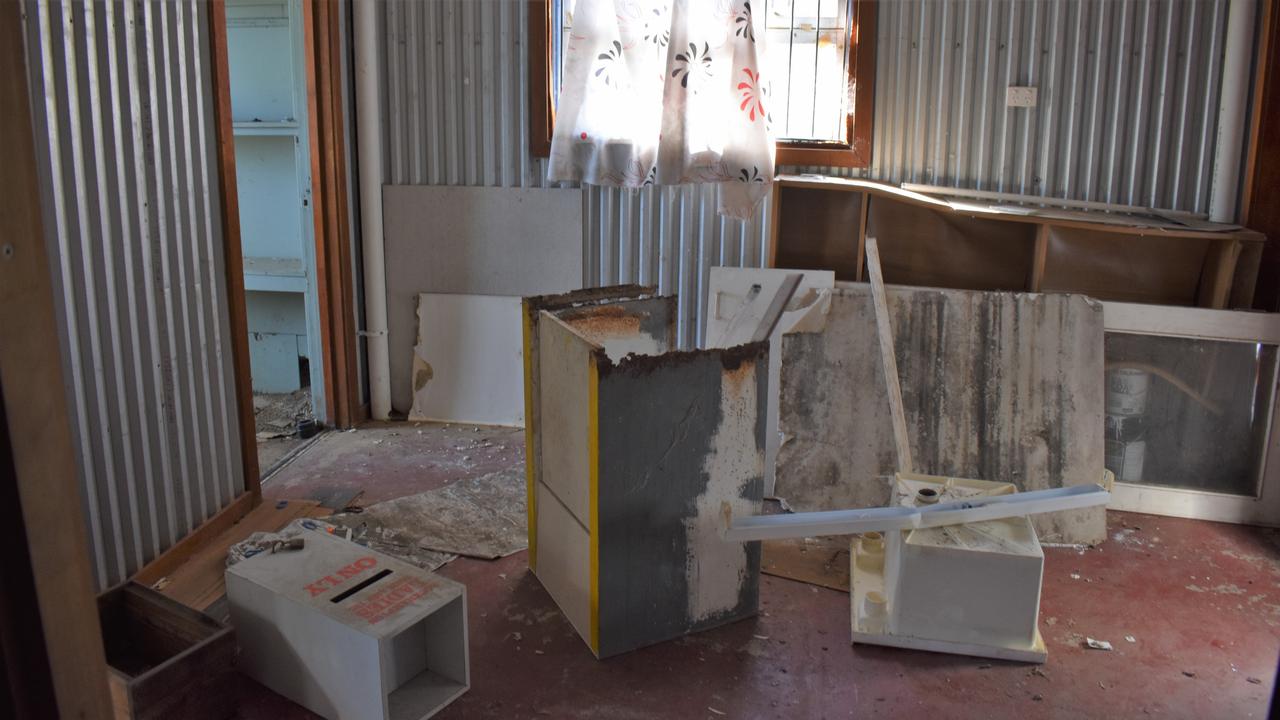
1125	459
1127	391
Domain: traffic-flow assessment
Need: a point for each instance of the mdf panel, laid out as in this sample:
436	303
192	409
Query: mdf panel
919	246
1134	268
819	229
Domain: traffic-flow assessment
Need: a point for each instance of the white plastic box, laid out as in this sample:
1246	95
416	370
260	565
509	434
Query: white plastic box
971	589
349	633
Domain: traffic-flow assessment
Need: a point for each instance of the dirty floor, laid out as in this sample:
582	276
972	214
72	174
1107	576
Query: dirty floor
1201	602
276	417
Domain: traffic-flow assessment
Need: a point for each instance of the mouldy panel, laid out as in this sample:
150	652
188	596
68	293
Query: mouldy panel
635	456
1001	386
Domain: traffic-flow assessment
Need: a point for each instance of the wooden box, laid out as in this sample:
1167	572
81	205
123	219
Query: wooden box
634	449
165	660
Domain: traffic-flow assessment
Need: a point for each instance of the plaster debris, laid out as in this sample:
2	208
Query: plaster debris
1130	638
1097	644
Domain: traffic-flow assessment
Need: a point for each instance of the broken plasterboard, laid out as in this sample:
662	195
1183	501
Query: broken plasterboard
467	363
737	299
1005	386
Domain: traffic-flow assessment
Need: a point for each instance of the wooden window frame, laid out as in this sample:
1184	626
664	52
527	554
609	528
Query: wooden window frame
854	152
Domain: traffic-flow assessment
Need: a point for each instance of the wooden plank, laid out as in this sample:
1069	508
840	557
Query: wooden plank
199	581
817	561
884	334
1216	276
171	559
1036	276
229	205
775	213
43	456
864	211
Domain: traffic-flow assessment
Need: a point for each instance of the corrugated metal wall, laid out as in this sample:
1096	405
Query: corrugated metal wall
123	116
1128	97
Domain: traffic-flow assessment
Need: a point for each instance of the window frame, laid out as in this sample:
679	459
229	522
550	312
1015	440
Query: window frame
853	152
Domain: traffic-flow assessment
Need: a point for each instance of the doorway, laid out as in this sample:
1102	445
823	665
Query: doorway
269	108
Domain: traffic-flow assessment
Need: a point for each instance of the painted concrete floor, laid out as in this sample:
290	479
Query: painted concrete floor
1200	600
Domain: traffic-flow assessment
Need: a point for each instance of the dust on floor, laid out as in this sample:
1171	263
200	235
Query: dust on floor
276	417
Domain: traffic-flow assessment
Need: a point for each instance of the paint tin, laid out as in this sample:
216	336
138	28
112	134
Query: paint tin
1126	446
1127	391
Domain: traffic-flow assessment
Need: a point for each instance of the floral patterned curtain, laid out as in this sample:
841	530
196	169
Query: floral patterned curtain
665	92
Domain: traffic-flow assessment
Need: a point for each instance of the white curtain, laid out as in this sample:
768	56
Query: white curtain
665	92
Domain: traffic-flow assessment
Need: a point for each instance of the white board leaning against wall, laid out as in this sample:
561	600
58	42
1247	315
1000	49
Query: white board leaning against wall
468	363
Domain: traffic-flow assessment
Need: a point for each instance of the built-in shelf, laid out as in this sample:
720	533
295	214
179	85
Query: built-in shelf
274	275
284	128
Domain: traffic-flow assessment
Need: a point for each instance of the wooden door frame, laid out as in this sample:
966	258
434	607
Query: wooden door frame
65	656
334	271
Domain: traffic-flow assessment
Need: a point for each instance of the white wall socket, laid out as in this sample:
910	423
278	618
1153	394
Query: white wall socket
1020	96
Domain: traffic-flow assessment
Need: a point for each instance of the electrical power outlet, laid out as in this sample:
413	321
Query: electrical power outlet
1020	97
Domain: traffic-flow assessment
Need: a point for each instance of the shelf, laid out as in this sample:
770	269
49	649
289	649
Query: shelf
275	275
284	129
1141	256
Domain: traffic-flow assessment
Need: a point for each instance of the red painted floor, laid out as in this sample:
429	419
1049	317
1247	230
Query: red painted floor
1201	601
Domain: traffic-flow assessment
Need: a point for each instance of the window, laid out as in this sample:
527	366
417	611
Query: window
821	56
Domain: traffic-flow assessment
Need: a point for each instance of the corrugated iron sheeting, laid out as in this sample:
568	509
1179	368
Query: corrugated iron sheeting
1128	98
121	96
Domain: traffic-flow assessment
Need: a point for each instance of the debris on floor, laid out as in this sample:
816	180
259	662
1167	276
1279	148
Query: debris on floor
277	414
1097	644
481	517
822	561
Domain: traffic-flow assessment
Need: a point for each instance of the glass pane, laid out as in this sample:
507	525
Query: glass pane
1188	413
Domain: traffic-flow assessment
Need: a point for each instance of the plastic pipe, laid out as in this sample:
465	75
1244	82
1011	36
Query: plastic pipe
369	160
1236	72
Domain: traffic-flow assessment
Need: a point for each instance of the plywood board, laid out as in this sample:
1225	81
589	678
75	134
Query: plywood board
733	310
999	386
471	240
200	581
468	363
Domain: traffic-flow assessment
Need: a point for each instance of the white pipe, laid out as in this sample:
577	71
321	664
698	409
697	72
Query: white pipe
883	519
369	158
1230	147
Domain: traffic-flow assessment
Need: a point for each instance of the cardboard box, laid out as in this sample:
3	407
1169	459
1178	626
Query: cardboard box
350	633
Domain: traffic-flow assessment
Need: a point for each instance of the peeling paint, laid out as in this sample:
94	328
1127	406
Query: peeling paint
716	569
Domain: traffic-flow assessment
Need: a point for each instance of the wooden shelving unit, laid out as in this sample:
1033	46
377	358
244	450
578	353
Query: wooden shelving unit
823	222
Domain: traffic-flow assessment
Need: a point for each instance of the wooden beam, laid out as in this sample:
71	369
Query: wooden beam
233	260
35	407
884	333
